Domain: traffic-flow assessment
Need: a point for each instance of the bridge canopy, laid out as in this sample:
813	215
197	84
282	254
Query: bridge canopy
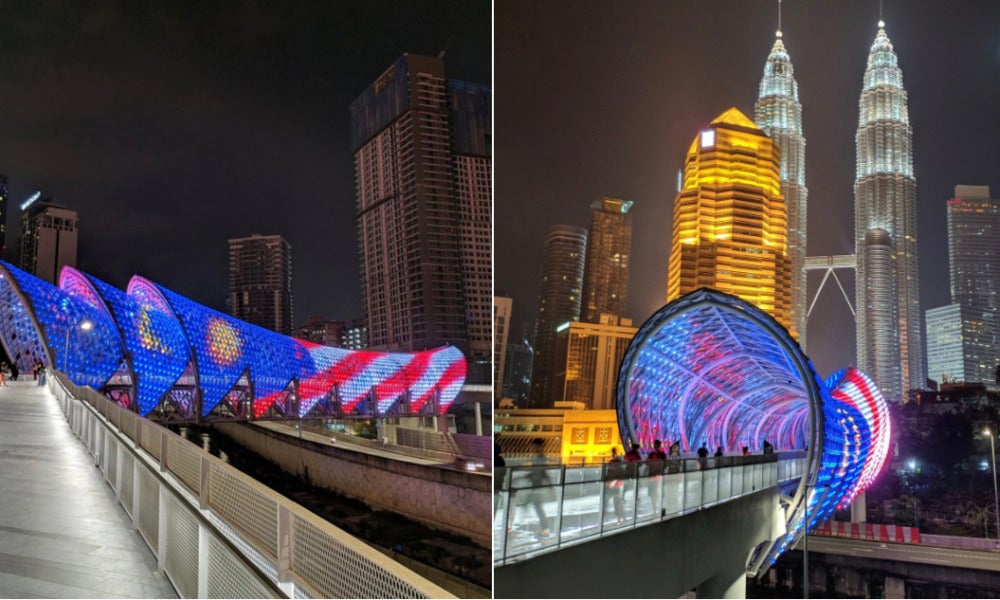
710	368
159	342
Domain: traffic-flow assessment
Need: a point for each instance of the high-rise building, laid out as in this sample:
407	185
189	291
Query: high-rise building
517	368
321	331
974	265
957	340
587	359
471	126
48	238
609	244
779	115
260	281
885	229
558	302
3	214
729	230
501	331
421	149
974	247
356	335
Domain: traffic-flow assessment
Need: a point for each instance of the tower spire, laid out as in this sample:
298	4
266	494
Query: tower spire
779	18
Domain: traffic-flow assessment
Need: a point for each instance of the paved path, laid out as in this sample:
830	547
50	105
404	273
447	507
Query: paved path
62	534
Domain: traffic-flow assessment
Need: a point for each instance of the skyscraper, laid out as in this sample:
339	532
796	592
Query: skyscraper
260	281
558	302
605	278
729	230
501	331
472	145
48	239
421	147
3	213
885	229
970	343
779	115
588	356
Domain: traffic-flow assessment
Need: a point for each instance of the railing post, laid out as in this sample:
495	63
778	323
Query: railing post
284	562
202	561
164	447
204	485
161	534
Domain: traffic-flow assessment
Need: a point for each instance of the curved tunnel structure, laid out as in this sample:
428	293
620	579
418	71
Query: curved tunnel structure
711	368
155	351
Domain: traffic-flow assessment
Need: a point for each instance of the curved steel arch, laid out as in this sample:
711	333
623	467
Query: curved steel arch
712	368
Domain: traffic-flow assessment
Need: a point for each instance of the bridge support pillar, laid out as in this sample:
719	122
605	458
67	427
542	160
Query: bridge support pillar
731	584
859	509
895	587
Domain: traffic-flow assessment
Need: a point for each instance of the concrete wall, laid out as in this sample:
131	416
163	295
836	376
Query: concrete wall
705	550
446	499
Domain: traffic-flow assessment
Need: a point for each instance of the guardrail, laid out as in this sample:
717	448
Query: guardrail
542	509
217	532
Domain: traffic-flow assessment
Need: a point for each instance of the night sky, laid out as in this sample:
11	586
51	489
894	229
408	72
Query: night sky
599	98
173	126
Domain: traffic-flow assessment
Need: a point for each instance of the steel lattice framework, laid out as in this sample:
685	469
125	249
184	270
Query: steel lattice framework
164	355
712	368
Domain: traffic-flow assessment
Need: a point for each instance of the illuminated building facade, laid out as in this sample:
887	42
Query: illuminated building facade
729	230
471	126
587	359
356	334
422	149
885	226
712	368
161	354
502	307
974	265
4	193
558	303
321	331
48	239
778	113
260	281
609	244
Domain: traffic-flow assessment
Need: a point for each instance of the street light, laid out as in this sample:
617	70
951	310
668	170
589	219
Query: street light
84	325
996	501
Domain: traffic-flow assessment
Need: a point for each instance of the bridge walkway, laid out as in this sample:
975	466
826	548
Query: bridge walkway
541	509
62	533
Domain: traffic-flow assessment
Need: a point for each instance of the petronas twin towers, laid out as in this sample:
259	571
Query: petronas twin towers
889	343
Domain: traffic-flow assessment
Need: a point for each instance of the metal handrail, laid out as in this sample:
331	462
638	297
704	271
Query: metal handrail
540	509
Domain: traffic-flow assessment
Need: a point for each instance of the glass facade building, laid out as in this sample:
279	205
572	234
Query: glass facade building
889	343
558	303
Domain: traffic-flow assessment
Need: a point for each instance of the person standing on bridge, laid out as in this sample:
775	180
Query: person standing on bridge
13	371
539	486
614	473
3	374
703	456
656	459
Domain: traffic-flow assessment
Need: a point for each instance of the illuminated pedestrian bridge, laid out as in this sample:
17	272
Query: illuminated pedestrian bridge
707	368
165	356
711	368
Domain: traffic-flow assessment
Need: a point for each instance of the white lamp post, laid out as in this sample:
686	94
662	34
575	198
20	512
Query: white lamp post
996	501
84	325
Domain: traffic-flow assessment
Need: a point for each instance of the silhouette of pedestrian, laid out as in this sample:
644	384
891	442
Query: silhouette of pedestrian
539	486
703	455
656	459
614	473
719	452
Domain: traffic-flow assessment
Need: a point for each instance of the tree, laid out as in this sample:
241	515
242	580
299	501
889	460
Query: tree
979	516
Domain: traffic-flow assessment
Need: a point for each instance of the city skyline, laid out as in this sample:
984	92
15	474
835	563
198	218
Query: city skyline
172	128
626	138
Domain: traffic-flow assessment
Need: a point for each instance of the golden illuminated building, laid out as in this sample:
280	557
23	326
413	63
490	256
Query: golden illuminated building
730	225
